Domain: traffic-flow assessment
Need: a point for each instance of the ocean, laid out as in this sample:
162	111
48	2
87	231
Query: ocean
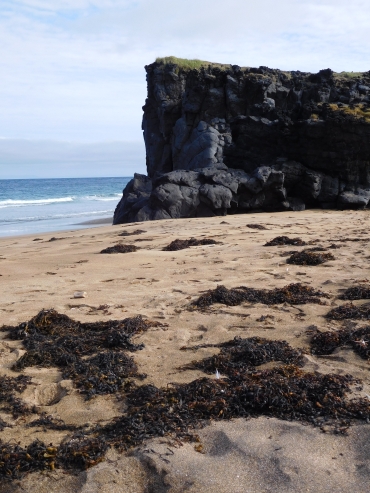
45	205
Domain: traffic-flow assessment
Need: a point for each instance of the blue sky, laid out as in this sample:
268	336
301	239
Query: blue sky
72	71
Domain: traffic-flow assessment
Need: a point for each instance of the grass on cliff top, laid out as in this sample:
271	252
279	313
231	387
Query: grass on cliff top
348	75
186	64
358	111
196	64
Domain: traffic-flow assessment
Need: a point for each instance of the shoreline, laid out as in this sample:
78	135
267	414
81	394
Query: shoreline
91	223
100	221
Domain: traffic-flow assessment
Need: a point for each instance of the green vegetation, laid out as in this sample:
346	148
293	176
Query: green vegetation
186	64
359	111
348	75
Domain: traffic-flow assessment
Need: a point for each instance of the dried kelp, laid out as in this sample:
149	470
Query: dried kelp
81	452
348	311
120	248
307	257
53	339
345	240
54	238
356	293
256	226
327	342
285	240
295	294
245	354
285	392
132	233
16	461
4	424
288	253
105	373
48	422
9	387
78	453
182	244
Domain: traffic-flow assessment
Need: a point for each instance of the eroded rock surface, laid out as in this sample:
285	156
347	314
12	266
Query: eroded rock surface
223	139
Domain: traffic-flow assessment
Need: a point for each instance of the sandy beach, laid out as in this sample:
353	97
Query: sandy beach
259	455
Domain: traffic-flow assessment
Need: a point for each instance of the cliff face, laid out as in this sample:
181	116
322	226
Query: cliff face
225	139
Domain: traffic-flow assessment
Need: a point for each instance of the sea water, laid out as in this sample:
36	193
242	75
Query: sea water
43	205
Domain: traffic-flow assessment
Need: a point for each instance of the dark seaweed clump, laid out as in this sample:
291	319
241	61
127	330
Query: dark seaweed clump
9	387
285	240
120	249
358	339
245	354
53	339
256	226
105	373
78	453
307	257
4	424
296	294
356	293
348	311
131	233
182	244
286	392
293	252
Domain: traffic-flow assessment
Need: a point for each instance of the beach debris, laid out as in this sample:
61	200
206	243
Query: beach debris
345	240
245	354
295	294
182	244
79	294
132	233
78	453
48	422
4	424
285	240
327	342
307	257
92	354
106	373
256	226
54	238
178	410
350	311
81	452
9	402
356	293
287	253
120	248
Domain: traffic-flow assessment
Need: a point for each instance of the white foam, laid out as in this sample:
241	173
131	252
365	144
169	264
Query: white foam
104	199
22	203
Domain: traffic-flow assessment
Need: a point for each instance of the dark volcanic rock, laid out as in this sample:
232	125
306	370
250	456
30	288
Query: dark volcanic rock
223	139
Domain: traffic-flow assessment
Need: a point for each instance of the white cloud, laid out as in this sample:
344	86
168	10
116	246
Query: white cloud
73	69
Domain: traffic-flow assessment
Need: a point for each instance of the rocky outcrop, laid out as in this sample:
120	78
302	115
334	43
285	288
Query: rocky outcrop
222	139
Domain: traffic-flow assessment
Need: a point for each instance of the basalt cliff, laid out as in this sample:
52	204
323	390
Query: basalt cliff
223	139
